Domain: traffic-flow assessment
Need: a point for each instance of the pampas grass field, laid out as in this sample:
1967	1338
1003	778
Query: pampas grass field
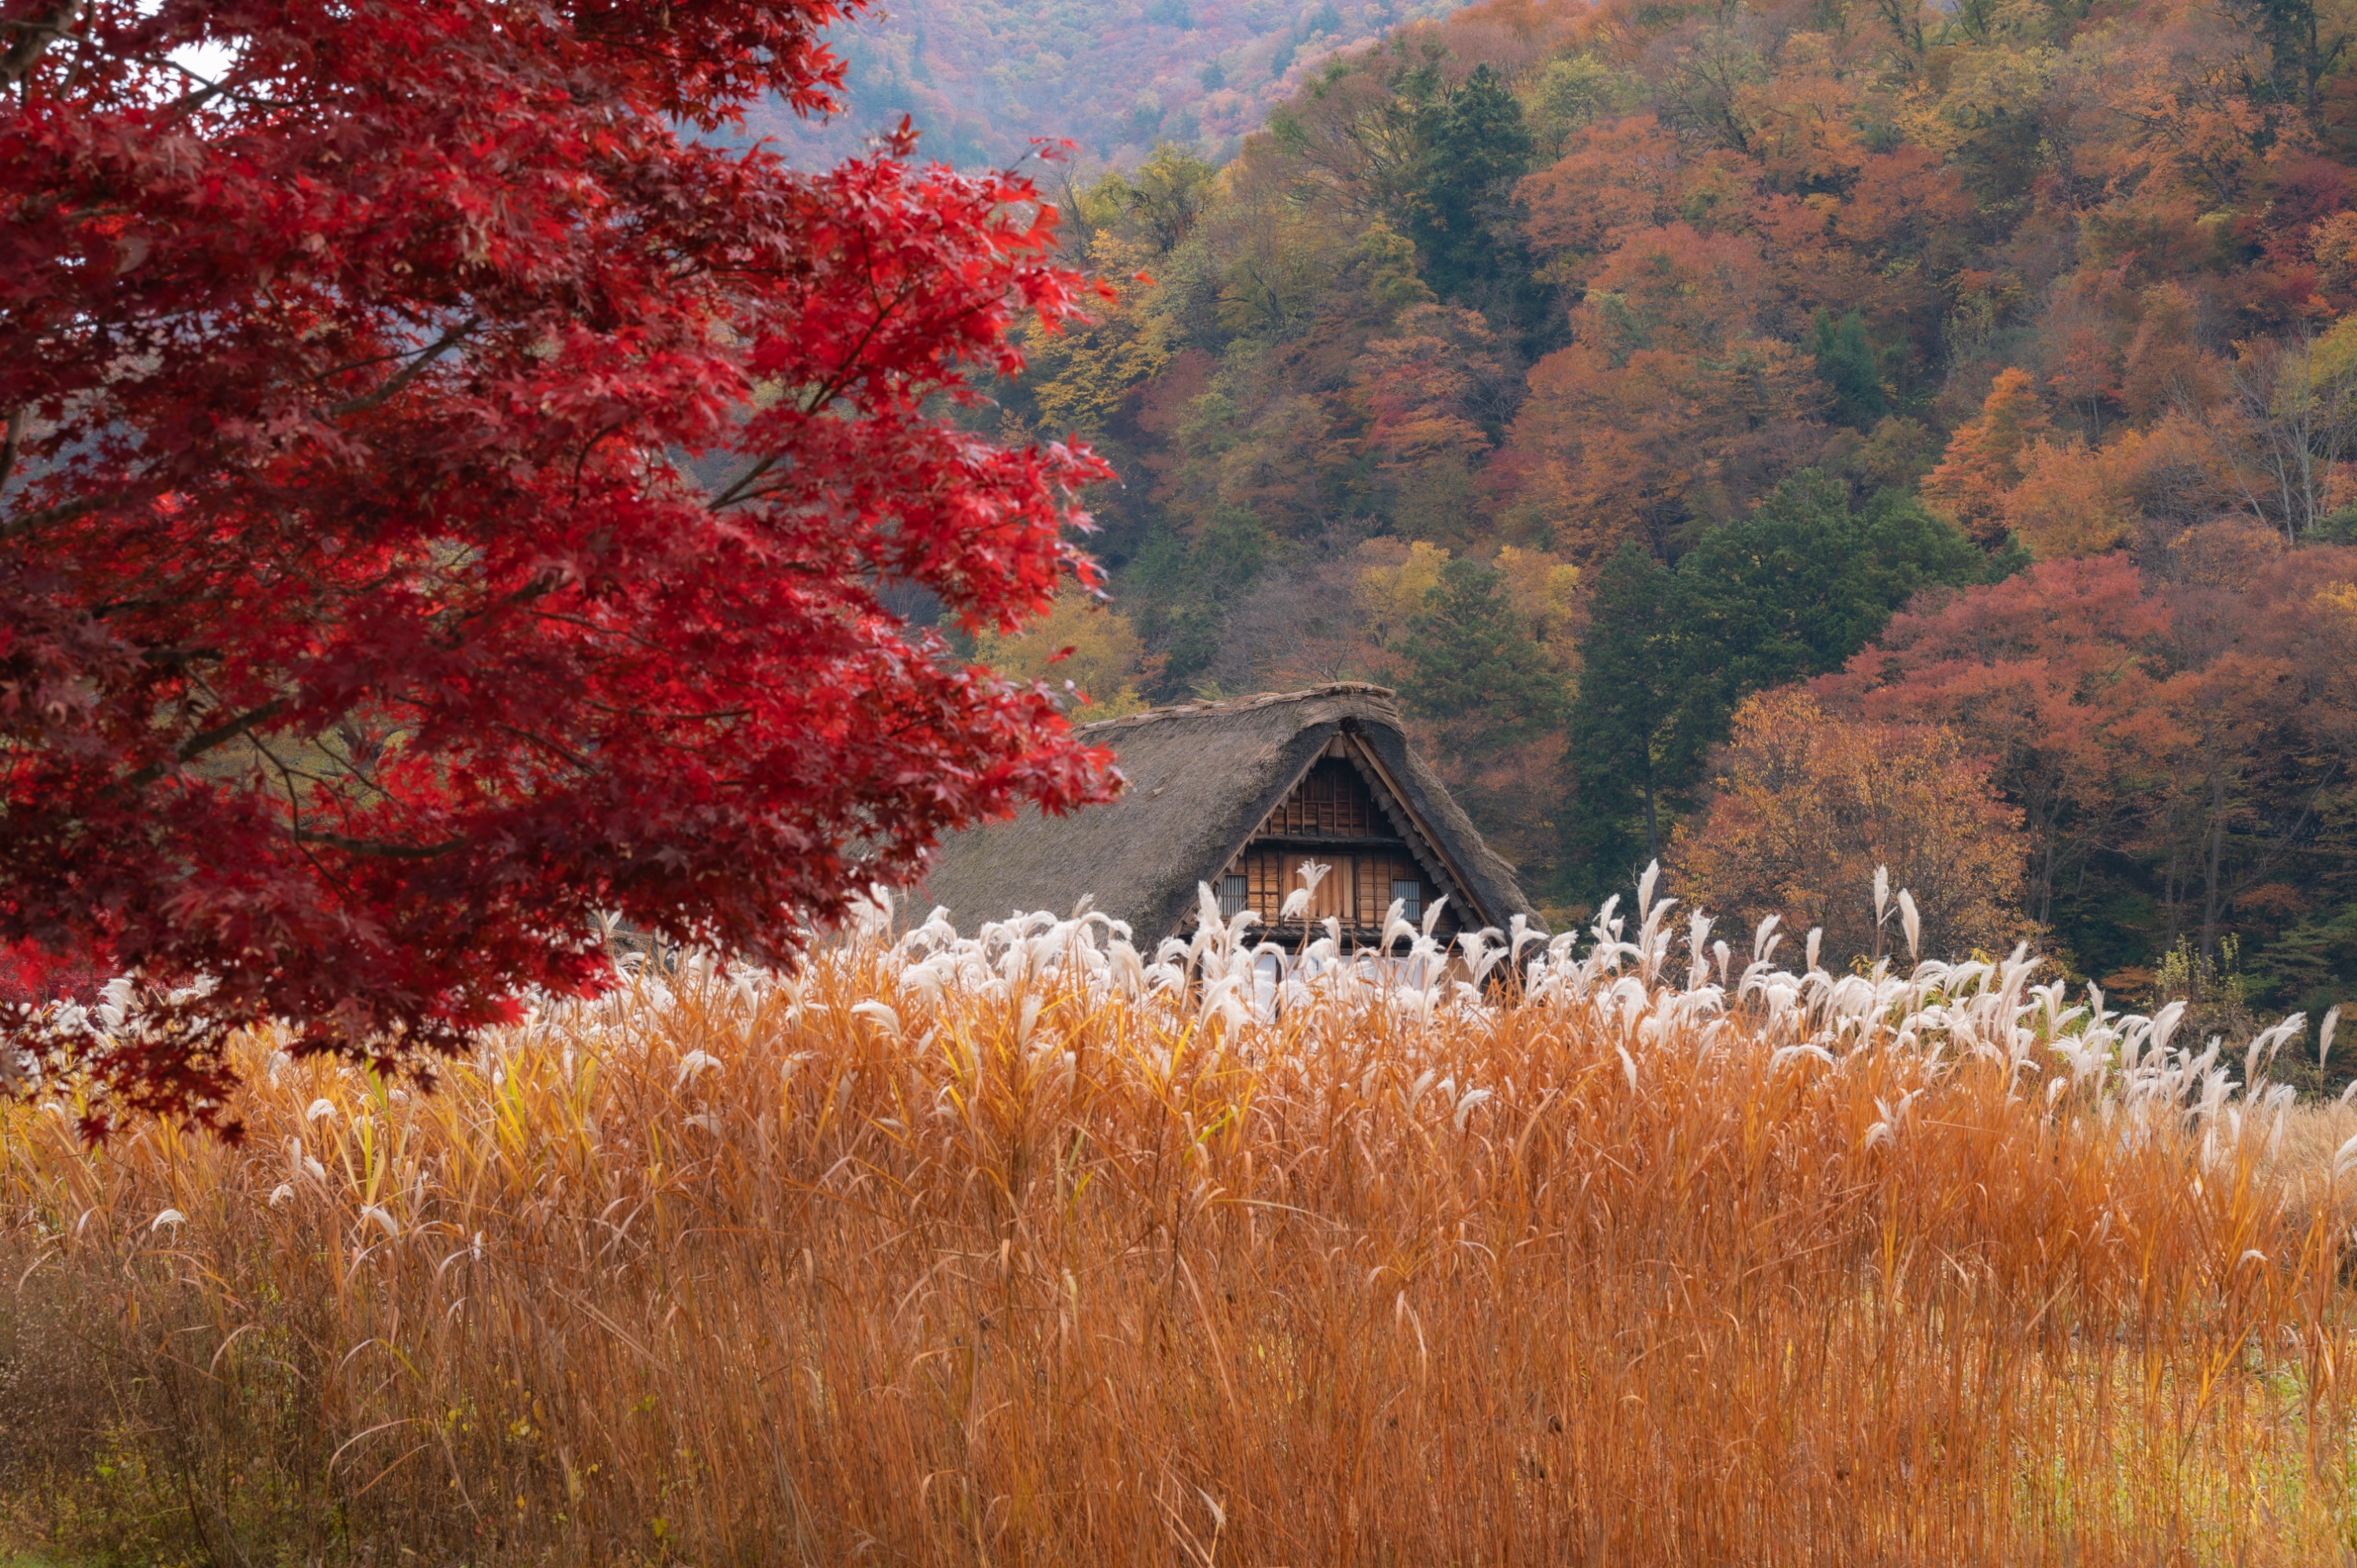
1030	1249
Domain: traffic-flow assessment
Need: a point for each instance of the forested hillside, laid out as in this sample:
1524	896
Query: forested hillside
981	78
1783	439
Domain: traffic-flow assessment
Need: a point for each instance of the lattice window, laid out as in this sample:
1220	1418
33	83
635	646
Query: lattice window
1236	896
1409	893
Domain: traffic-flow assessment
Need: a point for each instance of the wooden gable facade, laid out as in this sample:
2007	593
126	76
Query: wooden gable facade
1340	816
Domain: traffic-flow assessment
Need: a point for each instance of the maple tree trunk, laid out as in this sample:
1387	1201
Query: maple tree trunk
33	35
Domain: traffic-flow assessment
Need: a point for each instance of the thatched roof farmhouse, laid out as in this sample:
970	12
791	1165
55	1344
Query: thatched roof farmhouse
1238	794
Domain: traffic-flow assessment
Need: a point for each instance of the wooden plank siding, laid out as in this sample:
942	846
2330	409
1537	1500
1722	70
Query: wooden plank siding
1334	817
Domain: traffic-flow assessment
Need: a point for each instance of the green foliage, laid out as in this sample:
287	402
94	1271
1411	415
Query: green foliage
1456	197
1624	730
1570	92
1183	590
1789	592
2312	965
1156	205
1805	581
1850	368
2213	986
1387	260
1475	667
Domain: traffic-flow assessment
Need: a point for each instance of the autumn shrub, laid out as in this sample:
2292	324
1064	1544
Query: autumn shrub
1034	1249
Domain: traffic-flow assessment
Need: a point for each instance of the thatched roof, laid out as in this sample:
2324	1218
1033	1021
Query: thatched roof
1202	778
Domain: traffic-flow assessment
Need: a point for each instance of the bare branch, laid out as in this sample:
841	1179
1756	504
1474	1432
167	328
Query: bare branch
409	372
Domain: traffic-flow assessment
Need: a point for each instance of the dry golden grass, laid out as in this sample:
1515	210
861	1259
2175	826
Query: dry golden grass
1022	1255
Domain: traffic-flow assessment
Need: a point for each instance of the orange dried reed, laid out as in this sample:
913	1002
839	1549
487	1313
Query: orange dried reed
1030	1271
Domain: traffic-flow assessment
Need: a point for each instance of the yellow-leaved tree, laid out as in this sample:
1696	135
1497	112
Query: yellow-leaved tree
1103	665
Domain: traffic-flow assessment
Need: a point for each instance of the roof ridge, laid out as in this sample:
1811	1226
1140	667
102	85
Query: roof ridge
1246	703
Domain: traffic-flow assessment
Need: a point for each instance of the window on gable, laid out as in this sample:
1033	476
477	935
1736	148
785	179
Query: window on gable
1236	896
1410	894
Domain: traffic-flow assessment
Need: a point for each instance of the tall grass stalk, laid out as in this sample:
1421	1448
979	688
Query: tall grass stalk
1027	1248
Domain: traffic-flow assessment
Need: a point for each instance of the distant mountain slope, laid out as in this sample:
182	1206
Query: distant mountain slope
981	77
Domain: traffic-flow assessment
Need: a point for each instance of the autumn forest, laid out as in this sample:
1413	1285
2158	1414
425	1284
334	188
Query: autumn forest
1780	439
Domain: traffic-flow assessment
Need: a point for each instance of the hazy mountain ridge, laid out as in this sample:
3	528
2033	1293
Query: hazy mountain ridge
981	77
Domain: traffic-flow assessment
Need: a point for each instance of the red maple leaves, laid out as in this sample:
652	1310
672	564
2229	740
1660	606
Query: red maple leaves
442	503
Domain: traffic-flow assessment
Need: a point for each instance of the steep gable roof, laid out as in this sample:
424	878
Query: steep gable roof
1203	777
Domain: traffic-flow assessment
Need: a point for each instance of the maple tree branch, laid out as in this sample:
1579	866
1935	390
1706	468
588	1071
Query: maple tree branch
825	393
375	846
206	89
197	745
8	443
34	36
64	512
737	488
407	373
543	743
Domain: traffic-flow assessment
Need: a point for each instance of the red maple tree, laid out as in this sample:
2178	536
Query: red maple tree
443	500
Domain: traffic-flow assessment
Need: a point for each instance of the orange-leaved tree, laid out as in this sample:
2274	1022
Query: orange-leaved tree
1806	804
1984	459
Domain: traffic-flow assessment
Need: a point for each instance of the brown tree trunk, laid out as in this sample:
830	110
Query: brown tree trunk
2210	899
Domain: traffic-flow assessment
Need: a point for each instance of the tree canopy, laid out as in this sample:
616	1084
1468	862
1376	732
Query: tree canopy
2028	284
441	501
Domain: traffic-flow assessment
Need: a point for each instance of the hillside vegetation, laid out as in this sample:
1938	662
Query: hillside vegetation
1030	1249
981	77
1599	375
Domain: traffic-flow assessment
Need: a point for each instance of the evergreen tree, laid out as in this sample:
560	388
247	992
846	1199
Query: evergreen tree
1624	719
1789	592
1458	202
1798	586
1181	589
1476	668
1848	365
